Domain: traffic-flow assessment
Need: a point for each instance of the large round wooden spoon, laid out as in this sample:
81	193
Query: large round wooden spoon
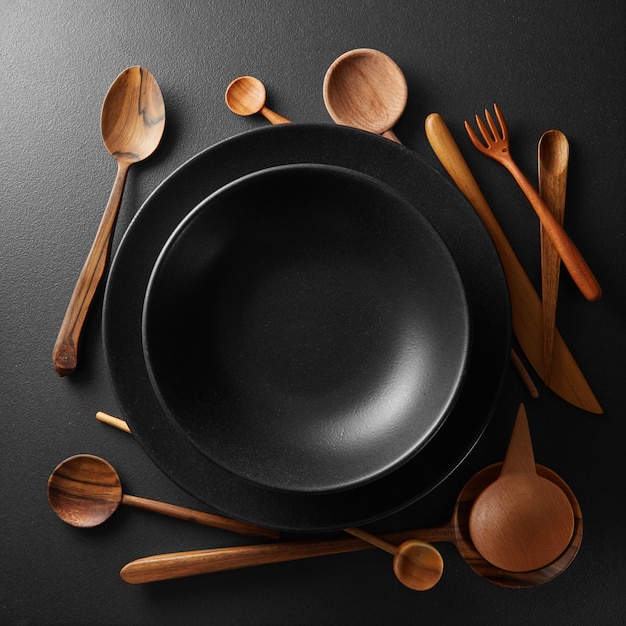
456	531
521	522
132	120
246	95
553	157
365	89
85	490
416	564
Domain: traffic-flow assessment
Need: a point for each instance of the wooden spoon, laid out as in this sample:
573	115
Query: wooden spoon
132	120
365	89
456	531
246	95
85	490
416	564
521	522
553	156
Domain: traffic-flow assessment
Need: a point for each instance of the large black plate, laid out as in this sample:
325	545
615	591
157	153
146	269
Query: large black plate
420	184
306	328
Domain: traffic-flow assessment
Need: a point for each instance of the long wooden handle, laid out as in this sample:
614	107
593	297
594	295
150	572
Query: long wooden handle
567	380
199	517
552	186
569	253
195	562
65	352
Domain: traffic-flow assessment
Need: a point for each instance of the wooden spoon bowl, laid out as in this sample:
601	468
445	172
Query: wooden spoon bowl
366	89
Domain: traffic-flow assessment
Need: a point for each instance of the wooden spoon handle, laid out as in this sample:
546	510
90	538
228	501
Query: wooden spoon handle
65	352
273	117
116	422
389	134
569	253
520	458
552	184
193	563
200	517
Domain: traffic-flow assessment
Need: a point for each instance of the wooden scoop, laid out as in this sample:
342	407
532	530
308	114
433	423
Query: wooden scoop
85	490
522	521
246	95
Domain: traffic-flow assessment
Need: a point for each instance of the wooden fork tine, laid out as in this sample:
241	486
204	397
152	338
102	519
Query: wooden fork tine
501	121
492	125
474	139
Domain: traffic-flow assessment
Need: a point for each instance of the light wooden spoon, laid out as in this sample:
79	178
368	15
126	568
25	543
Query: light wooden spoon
85	490
365	89
246	95
522	521
132	121
553	156
417	565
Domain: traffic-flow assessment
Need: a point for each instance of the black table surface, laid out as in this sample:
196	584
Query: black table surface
548	65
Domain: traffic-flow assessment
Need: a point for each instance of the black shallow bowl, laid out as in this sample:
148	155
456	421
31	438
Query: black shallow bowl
415	180
306	328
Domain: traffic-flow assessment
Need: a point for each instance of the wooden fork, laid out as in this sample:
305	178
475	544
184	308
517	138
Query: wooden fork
496	146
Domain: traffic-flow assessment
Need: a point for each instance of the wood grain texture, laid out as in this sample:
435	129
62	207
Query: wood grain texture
365	89
522	521
567	379
133	120
552	164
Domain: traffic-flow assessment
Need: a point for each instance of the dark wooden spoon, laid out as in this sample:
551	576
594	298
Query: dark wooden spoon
85	490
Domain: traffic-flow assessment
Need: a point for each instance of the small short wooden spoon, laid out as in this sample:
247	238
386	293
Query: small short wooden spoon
133	121
416	564
246	95
365	89
85	490
521	522
553	156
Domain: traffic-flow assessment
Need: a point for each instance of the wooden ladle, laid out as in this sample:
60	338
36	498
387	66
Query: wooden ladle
521	522
246	95
553	157
85	490
456	531
366	89
132	121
